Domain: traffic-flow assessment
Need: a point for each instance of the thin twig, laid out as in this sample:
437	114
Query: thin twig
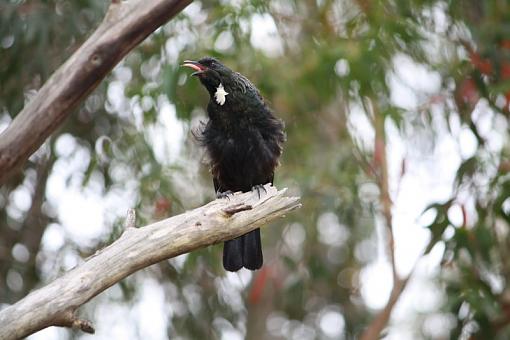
374	329
130	220
381	163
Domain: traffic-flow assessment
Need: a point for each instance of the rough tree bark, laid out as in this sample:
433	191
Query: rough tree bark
137	248
125	25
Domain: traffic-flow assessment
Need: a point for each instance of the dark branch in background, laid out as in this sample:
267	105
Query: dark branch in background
382	178
380	171
30	235
56	304
34	225
125	25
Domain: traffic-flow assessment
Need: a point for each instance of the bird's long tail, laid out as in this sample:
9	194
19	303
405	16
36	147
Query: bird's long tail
244	251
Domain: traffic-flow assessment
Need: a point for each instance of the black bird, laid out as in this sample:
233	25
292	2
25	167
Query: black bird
243	140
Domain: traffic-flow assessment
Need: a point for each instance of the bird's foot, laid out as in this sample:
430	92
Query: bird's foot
224	194
258	188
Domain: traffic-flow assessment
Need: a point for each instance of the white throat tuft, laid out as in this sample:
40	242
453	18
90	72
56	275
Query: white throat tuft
220	94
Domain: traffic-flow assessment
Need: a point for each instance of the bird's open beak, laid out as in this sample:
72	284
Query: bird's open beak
199	68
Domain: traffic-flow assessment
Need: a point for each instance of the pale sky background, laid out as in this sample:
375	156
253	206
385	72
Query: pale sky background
429	178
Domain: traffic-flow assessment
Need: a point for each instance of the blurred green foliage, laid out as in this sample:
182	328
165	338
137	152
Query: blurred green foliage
320	60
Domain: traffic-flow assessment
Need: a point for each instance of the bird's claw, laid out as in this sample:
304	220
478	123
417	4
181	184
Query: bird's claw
259	187
224	194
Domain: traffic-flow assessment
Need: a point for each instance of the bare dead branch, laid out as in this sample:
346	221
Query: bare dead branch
70	320
137	248
125	25
30	235
130	219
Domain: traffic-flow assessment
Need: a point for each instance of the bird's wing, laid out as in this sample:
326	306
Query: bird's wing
246	85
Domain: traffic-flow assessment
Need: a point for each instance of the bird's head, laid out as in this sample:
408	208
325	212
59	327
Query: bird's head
215	76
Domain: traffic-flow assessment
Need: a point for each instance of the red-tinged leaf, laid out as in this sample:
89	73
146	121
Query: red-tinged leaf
482	65
258	285
505	44
468	92
162	206
505	70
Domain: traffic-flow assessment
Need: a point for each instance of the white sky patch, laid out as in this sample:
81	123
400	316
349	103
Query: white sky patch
181	35
275	323
331	231
265	36
231	334
167	134
145	318
195	13
21	197
86	213
7	41
410	78
224	42
123	73
422	294
5	120
81	216
175	44
483	116
240	279
342	68
234	3
79	210
65	145
360	128
376	282
419	187
112	320
64	168
49	333
294	235
467	143
401	95
20	252
230	288
441	20
332	322
53	238
116	100
152	311
417	76
439	325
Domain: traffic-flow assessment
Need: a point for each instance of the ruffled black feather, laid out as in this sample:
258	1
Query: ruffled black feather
244	141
